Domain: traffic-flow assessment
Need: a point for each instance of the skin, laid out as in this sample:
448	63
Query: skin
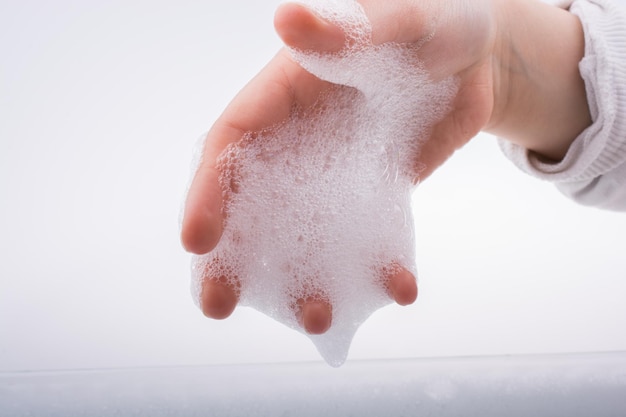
517	66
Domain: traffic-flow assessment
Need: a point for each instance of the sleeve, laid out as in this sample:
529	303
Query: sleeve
593	172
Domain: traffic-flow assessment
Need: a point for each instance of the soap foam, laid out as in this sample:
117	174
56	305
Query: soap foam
319	206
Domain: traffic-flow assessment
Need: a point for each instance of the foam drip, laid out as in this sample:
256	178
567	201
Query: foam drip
319	206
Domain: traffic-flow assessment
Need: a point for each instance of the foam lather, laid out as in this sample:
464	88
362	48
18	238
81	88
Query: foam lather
320	205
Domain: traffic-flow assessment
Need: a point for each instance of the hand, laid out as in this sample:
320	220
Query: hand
453	50
514	81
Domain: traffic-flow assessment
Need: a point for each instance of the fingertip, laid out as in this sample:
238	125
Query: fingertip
301	28
218	299
316	317
202	222
199	235
402	287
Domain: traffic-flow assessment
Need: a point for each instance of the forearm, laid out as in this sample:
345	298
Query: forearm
540	101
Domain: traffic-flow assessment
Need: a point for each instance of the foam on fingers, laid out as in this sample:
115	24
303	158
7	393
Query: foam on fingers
320	204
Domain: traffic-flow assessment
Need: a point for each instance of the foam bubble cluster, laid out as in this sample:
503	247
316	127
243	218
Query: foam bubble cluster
319	206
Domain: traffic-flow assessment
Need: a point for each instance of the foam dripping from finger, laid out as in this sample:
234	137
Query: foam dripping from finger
318	207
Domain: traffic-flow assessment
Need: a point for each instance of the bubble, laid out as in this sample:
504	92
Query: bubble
319	206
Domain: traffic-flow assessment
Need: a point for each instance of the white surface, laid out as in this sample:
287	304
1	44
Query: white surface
101	104
559	385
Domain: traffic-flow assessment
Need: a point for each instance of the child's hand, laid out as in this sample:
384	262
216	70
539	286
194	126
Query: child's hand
269	97
473	40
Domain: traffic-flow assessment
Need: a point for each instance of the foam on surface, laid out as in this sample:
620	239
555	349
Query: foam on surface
319	206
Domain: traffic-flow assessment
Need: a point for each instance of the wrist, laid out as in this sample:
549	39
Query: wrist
540	101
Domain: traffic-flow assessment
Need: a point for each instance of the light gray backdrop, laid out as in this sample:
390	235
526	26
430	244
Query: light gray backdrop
100	104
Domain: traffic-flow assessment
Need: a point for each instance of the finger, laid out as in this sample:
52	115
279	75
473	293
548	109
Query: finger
314	314
267	100
397	22
401	285
218	298
301	28
202	220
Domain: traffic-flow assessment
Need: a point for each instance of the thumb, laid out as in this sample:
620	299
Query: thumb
301	28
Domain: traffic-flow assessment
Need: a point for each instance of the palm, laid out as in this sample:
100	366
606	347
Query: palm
470	113
462	45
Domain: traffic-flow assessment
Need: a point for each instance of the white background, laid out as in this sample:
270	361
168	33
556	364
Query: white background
100	105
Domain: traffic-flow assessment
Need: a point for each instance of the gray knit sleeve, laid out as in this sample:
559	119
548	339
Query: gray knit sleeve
593	172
